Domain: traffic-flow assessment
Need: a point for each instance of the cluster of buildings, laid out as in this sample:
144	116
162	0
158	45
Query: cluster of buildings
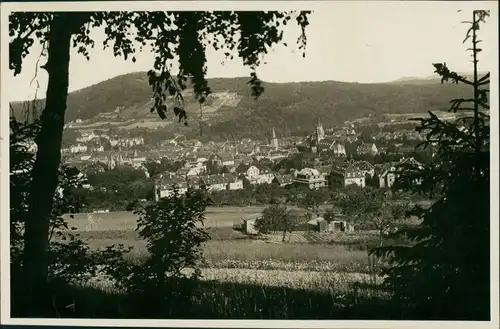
358	172
349	173
320	141
410	135
91	143
166	183
93	147
333	141
203	161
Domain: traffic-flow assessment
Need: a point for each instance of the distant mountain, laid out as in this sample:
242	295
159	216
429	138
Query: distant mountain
290	107
431	79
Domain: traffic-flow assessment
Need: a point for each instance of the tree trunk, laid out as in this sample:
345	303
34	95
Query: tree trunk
477	136
46	166
381	237
284	236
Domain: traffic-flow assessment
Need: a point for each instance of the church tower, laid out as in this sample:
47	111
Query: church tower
320	132
274	141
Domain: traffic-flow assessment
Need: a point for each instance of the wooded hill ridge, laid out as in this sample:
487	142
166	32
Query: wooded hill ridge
432	79
291	108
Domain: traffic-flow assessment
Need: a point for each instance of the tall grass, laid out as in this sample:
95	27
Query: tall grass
212	300
243	278
354	266
232	249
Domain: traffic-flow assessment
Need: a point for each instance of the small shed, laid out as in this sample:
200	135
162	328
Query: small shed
318	224
249	223
342	226
321	225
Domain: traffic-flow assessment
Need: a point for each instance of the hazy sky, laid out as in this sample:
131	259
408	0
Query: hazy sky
352	41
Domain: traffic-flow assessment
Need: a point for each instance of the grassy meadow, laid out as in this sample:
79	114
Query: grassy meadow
243	277
307	260
126	220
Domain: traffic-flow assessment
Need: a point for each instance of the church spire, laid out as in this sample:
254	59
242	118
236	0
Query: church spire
320	133
274	141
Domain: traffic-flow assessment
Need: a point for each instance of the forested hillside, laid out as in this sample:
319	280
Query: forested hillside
290	107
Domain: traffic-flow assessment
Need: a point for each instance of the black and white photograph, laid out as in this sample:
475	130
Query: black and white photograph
207	162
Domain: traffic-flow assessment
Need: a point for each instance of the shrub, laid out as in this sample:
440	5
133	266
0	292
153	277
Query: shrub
171	229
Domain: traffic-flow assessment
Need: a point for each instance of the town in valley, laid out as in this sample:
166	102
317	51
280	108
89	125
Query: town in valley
333	157
340	180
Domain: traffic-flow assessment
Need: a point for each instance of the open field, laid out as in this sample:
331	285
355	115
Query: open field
227	248
222	99
258	273
126	221
250	276
243	248
227	245
324	268
323	262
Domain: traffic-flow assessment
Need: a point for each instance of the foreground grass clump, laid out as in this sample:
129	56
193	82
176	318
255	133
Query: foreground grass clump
209	300
324	266
333	283
330	282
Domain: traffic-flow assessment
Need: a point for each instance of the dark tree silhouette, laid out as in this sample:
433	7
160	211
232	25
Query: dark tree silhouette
69	258
444	274
182	34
